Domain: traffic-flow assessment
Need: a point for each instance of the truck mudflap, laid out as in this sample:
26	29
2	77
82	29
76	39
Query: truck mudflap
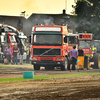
47	62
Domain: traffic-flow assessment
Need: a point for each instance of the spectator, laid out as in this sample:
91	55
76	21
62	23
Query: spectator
73	54
15	51
21	51
0	53
28	56
94	49
8	54
80	52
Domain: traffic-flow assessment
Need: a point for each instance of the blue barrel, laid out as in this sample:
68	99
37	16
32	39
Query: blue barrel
28	75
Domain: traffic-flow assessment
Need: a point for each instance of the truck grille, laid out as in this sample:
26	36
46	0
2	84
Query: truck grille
47	51
46	58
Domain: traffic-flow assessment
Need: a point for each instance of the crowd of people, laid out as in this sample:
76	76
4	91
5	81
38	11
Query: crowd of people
11	55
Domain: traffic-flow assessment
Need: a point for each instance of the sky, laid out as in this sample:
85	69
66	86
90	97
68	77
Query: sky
15	7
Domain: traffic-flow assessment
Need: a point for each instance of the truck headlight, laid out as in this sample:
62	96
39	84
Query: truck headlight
35	58
60	58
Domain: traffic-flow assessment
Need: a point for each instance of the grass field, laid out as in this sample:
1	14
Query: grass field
20	79
24	65
5	66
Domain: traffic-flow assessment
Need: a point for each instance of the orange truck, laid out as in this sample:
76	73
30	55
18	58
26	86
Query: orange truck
49	47
72	41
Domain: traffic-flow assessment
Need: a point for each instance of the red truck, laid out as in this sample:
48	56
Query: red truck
8	36
11	40
49	47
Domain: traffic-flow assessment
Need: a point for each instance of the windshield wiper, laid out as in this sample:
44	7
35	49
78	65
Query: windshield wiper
46	51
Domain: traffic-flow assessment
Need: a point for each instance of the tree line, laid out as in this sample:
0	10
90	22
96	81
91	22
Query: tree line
87	15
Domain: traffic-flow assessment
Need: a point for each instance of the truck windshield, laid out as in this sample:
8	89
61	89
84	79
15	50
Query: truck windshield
47	40
85	44
12	38
72	40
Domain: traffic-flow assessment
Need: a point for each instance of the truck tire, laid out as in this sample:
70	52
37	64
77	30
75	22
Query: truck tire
65	65
36	67
96	60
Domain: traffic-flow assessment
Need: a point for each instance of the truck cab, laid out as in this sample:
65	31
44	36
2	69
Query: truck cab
85	42
49	47
72	41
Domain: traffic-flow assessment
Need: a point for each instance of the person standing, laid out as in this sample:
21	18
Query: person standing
74	55
21	51
15	51
80	52
8	54
94	49
28	56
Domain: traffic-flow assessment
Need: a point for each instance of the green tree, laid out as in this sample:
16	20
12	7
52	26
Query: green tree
88	16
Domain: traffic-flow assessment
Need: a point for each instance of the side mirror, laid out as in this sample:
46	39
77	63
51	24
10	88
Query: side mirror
29	40
65	39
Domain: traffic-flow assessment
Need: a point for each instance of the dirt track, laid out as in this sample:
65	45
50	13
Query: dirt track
77	88
17	71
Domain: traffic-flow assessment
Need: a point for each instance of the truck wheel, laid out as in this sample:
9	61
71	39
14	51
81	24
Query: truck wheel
36	67
65	65
96	60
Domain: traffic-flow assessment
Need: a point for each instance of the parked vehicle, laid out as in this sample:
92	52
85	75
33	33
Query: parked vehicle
91	58
10	35
49	47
